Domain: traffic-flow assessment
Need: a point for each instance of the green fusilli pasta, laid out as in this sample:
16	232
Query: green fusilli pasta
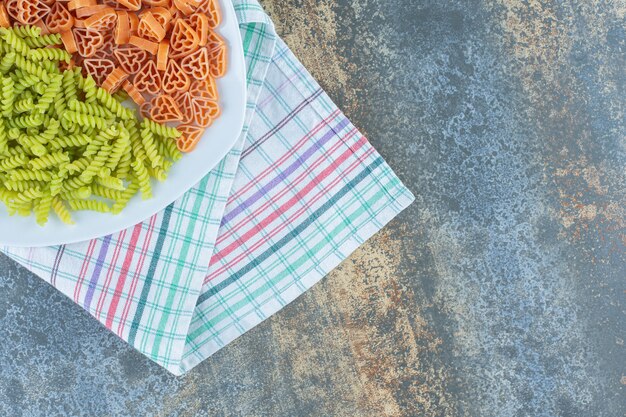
52	54
26	31
65	143
43	41
7	62
113	105
160	130
61	211
91	205
49	160
16	43
23	105
13	162
87	120
149	145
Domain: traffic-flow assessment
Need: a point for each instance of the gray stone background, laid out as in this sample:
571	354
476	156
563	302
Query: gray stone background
500	292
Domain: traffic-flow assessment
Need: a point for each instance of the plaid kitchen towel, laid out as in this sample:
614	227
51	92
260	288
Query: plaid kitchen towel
299	192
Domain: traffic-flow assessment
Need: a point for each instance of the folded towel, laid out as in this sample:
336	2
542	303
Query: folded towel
298	193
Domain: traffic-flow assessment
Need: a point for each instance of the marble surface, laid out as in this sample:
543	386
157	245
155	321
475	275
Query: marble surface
500	292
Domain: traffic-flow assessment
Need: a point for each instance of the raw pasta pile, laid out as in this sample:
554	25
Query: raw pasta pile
66	143
163	53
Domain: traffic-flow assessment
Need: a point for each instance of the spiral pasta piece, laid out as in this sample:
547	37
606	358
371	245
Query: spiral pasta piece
27	174
102	138
168	148
16	43
51	54
90	89
32	68
8	96
113	183
42	208
59	104
13	162
26	121
28	195
157	173
61	211
88	108
21	186
149	145
130	192
113	105
73	184
51	90
120	147
7	62
4	140
106	192
75	140
23	105
51	39
26	31
97	164
123	167
160	129
81	193
49	160
86	120
143	178
69	86
91	205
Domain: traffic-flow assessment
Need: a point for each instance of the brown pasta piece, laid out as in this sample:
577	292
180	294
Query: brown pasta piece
114	80
164	109
174	78
130	58
200	23
102	21
162	15
185	7
11	7
84	12
197	65
98	68
206	89
87	41
133	5
212	9
190	137
31	11
69	42
133	93
121	33
185	104
59	19
145	109
148	79
162	55
5	21
205	111
157	3
146	45
149	28
77	4
218	61
133	22
183	40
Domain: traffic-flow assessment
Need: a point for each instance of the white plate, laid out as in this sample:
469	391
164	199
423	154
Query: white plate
217	141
